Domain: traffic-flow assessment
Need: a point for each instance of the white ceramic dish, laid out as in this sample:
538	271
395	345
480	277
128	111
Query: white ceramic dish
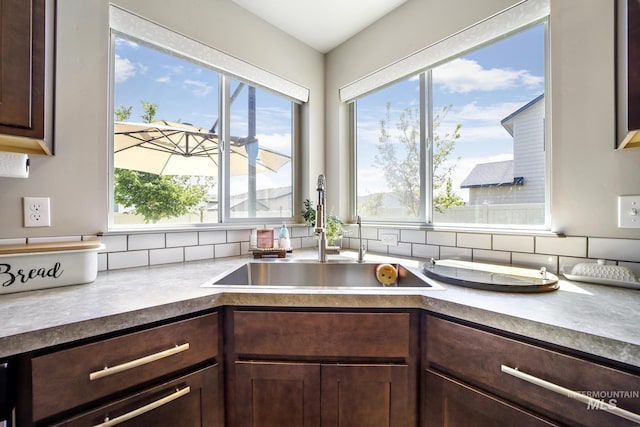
567	272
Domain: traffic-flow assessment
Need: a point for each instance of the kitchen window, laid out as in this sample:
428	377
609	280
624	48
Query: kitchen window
462	142
198	137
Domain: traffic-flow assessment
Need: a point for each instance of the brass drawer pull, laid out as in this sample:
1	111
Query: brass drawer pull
138	362
144	409
590	401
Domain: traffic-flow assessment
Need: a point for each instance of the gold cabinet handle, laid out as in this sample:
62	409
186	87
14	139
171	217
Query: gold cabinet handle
595	403
138	362
146	408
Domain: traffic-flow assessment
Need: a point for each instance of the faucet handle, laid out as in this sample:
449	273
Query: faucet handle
358	220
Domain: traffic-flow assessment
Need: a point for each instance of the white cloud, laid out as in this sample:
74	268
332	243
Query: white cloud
465	75
198	88
491	113
165	79
124	69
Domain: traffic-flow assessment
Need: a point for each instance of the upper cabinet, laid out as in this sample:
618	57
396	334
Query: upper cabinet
628	73
26	76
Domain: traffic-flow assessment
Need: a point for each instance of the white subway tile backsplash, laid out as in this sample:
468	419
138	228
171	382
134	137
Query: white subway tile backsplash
403	249
569	262
447	252
426	251
166	256
114	243
497	257
117	260
512	243
299	231
182	239
442	238
369	233
245	235
146	241
550	262
226	250
567	246
413	236
618	249
377	246
193	253
18	241
474	240
102	262
212	237
135	250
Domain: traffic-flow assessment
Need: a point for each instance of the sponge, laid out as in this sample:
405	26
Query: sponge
386	274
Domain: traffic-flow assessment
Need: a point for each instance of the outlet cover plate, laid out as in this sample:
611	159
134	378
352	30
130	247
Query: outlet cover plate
36	212
629	212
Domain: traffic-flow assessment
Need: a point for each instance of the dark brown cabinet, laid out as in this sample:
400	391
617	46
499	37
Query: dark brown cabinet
311	394
451	403
26	50
159	373
522	380
186	402
628	73
323	369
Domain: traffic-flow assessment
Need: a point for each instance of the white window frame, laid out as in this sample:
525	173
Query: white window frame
517	18
129	25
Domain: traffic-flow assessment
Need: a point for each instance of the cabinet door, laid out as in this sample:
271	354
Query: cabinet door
22	67
190	401
449	403
277	394
365	395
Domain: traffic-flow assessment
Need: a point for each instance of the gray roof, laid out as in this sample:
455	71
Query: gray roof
492	174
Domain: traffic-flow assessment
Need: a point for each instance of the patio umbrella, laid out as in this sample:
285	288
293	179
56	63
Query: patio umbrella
168	148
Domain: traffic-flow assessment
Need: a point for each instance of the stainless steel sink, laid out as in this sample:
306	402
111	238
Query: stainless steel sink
329	275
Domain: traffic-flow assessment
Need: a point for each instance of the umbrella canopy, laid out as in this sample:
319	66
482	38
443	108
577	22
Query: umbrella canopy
168	148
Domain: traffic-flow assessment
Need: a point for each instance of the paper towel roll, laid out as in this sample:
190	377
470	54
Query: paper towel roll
14	165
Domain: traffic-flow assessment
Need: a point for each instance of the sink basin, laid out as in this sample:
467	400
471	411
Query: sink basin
330	275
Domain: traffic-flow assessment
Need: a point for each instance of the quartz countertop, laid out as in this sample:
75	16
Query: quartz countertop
595	319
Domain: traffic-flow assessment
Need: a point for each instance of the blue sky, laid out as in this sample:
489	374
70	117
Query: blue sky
482	87
188	92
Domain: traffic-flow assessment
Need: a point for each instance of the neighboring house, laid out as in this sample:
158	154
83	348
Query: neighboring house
520	180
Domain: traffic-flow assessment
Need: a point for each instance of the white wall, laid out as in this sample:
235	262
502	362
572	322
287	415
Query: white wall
587	173
76	177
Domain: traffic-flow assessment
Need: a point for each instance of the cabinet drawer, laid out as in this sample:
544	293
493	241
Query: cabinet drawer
450	403
67	378
192	400
476	357
376	335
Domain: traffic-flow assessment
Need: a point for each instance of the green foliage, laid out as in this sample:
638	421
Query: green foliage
309	213
402	171
123	113
150	111
157	196
334	229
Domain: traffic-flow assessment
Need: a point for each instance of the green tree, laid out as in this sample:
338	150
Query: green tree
399	157
157	196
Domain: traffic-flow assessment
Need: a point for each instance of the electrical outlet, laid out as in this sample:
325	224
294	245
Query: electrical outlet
389	239
36	212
